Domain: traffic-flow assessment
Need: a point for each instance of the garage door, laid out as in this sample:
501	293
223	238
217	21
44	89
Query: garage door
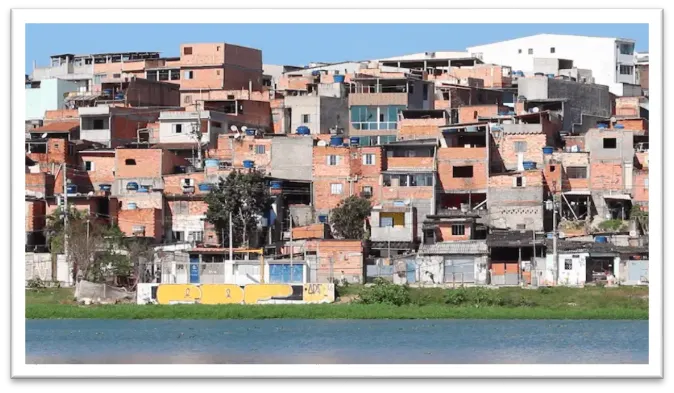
458	270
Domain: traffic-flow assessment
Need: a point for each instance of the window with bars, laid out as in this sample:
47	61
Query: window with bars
368	159
458	229
333	160
576	172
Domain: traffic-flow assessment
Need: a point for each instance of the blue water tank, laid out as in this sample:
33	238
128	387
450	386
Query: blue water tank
338	78
316	73
212	163
529	165
248	164
105	187
548	150
275	184
132	186
323	219
143	189
303	130
250	131
336	140
550	75
354	141
131	206
71	189
619	126
601	239
601	125
205	187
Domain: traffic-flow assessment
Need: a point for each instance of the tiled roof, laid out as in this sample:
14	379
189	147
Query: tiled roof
60	126
455	247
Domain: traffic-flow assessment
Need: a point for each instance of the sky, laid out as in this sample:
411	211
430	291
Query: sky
298	44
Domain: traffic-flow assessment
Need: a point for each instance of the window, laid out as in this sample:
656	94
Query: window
552	49
411	88
305	118
576	172
216	124
474	114
163	75
175	75
187	99
99	124
178	236
610	143
196	236
520	146
89	166
421	180
368	159
217	48
336	189
385	222
626	70
519	51
366	191
187	50
519	181
425	91
402	180
177	128
462	171
552	168
151	75
189	74
531	51
217	72
626	49
130	161
568	264
375	117
333	160
116	75
259	149
458	230
521	227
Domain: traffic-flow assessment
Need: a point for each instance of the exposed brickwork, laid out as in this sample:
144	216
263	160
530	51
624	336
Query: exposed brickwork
41	182
151	219
35	215
634	124
606	176
492	75
448	157
247	149
444	232
150	163
534	148
470	113
627	106
419	128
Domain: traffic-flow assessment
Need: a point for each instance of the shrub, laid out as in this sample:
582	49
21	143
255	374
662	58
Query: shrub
474	297
36	283
611	225
544	290
456	297
383	292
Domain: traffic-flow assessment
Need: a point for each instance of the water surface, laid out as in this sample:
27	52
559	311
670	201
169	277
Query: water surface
336	341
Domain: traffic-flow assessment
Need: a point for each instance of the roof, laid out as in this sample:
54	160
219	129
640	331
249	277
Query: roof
61	126
175	146
514	238
392	245
413	142
594	247
473	247
577	192
623	197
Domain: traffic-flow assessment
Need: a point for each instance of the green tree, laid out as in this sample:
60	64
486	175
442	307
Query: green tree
243	194
348	217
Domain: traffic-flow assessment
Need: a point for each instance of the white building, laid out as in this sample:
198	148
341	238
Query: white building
611	60
182	127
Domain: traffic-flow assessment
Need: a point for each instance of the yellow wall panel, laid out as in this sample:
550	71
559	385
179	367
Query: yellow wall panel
256	292
169	293
221	294
318	293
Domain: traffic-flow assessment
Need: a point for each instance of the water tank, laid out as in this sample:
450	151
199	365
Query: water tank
248	164
105	187
601	239
354	141
601	125
339	78
143	189
336	140
303	130
548	150
529	165
132	186
71	189
250	131
131	206
539	74
550	75
275	184
619	126
205	187
316	73
212	163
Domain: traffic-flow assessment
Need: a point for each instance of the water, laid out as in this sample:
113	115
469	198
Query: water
336	341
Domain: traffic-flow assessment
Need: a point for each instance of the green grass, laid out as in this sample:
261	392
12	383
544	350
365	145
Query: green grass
424	303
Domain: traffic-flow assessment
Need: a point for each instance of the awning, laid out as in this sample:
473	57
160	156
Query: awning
623	197
577	192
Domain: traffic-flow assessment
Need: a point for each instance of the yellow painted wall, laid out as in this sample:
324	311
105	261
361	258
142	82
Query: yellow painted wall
167	293
398	218
221	294
255	292
318	293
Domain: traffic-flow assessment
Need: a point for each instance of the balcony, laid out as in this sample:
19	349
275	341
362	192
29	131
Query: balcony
409	162
462	153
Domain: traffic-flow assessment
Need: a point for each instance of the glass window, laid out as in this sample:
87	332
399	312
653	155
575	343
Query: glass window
259	149
336	189
520	147
576	172
387	180
368	159
568	264
385	222
403	180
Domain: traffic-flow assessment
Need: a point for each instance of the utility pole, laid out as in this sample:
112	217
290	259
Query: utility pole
65	218
231	248
554	237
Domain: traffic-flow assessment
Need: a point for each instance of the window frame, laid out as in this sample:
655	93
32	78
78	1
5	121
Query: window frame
334	186
458	229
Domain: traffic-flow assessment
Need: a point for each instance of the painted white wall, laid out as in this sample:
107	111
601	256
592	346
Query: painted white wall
576	275
49	96
598	54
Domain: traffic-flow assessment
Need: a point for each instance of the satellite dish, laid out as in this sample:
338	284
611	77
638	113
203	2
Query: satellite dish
244	128
44	135
613	119
535	110
322	143
233	128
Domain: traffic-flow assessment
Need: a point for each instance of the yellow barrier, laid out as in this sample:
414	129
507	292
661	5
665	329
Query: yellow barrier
250	294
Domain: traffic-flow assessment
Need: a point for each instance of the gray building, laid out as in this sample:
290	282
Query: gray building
318	113
582	99
292	157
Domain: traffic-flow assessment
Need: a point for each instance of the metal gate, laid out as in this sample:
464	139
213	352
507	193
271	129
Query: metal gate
637	272
460	270
411	272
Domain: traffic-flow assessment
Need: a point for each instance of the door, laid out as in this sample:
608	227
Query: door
637	272
194	269
411	272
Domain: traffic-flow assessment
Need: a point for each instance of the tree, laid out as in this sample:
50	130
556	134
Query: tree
246	197
348	217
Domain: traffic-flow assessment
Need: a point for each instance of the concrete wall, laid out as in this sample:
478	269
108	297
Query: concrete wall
333	111
305	105
594	143
291	158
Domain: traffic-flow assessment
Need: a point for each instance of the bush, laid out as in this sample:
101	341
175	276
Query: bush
456	297
544	290
36	283
611	225
383	292
474	297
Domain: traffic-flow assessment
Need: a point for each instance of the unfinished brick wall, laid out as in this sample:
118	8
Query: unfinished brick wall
151	219
606	176
640	187
419	128
470	113
103	167
149	163
246	149
35	215
449	157
191	207
41	182
534	148
342	258
491	74
173	183
628	106
634	124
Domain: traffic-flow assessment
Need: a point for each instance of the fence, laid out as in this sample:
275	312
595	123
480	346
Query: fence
40	266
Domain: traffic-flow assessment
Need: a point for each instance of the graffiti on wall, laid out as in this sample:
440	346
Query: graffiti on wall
235	294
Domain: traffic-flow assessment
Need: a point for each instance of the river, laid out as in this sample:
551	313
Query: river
336	341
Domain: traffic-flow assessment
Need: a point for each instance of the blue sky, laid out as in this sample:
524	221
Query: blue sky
298	44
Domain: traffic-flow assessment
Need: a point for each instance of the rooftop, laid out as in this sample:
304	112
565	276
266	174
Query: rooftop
57	127
476	247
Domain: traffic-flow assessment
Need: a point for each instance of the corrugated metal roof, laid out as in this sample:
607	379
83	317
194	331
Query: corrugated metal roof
514	238
455	247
